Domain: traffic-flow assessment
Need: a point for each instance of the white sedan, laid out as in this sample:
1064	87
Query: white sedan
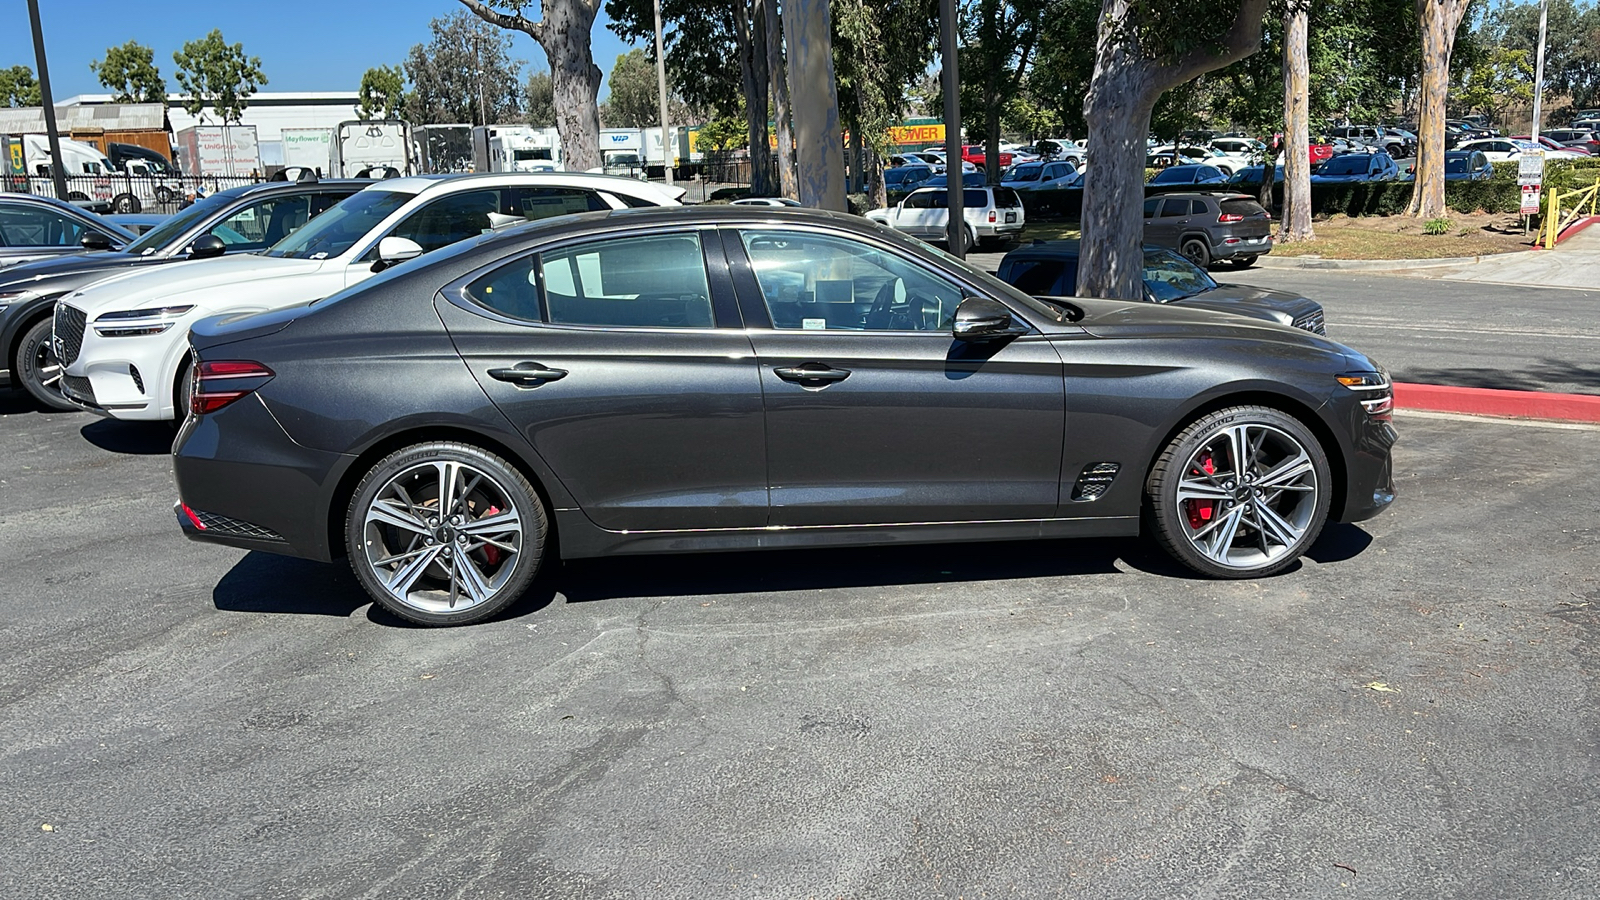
1502	149
124	342
1229	163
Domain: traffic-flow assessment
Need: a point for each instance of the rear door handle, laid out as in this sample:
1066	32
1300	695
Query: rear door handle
528	374
811	372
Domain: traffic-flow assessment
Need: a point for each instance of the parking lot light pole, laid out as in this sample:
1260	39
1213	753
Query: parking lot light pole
955	228
1538	70
661	83
48	101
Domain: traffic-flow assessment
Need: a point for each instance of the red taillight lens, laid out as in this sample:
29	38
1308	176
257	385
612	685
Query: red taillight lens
1230	217
220	382
992	216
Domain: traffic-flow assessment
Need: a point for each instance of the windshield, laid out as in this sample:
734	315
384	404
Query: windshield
1455	165
338	229
1170	277
160	236
1028	172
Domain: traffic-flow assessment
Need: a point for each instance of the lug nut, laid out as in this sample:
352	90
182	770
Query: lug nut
430	542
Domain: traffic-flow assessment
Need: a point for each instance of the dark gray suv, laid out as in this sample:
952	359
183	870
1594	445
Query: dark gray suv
1209	227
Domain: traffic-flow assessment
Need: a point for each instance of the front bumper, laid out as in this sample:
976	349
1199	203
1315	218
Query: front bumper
131	378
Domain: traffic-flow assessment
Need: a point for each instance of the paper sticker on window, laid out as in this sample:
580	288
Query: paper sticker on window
814	324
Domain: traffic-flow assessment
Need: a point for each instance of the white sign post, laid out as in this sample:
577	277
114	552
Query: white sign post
1530	177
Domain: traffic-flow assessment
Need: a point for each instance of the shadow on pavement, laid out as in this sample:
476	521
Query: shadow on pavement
1339	542
267	583
136	438
1548	375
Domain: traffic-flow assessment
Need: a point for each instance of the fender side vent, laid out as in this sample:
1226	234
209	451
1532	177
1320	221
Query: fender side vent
1095	480
138	381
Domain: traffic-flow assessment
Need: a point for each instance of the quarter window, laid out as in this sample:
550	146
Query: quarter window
38	228
819	283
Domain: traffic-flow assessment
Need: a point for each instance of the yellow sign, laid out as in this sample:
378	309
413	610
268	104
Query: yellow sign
18	167
916	134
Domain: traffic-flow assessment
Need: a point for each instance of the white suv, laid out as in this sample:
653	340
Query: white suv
992	214
123	341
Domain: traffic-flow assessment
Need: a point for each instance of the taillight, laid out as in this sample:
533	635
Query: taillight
217	383
1226	218
992	217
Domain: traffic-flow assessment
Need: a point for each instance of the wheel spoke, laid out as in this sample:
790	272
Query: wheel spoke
1275	526
506	521
1239	449
1190	489
1222	537
1286	473
465	573
389	512
449	479
404	577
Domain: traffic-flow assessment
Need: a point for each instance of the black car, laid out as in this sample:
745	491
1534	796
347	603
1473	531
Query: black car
238	220
37	228
723	378
1050	269
1208	227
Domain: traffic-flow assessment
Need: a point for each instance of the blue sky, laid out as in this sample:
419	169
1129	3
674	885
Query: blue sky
303	45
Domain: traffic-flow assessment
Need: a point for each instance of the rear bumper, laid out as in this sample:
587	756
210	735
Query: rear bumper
1235	246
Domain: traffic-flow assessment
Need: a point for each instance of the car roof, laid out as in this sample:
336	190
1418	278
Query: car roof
450	183
264	187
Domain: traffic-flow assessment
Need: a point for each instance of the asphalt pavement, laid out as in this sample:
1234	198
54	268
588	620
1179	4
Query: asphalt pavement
1408	714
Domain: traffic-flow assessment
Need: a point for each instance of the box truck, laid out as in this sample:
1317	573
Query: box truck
307	148
377	147
515	148
219	151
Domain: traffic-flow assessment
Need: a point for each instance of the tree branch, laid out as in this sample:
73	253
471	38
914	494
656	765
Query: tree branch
514	21
1243	39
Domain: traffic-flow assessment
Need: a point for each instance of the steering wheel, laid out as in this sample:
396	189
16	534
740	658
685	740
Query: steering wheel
891	308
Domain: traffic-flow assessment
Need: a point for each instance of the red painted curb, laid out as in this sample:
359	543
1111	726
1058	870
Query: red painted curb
1571	230
1490	402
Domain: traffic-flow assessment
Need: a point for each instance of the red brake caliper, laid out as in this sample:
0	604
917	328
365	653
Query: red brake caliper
1200	511
491	554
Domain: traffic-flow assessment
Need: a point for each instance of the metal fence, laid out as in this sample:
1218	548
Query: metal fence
119	193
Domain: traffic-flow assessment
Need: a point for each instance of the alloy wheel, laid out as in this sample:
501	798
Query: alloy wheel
1248	495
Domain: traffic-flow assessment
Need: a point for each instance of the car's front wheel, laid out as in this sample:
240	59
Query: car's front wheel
1240	493
443	533
38	370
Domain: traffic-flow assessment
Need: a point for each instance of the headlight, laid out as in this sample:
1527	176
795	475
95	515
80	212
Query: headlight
1377	392
9	297
138	322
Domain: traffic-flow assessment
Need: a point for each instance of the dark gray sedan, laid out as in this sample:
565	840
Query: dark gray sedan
1050	268
727	378
34	227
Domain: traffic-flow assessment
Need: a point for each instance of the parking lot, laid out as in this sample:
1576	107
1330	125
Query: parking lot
1408	713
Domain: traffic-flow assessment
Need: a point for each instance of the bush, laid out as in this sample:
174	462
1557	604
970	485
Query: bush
1436	226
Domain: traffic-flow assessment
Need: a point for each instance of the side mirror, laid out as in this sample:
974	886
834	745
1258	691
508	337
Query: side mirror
982	319
392	250
207	246
94	240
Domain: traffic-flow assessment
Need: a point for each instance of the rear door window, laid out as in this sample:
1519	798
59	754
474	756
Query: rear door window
1006	198
643	282
1174	208
26	227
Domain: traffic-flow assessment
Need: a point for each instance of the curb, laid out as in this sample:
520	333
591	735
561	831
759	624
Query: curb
1493	402
1375	265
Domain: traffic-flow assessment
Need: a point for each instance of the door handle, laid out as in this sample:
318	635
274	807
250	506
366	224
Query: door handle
527	374
812	372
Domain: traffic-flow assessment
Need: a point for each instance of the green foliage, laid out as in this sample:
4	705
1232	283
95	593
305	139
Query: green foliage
1436	226
880	47
634	101
18	87
725	133
1572	45
464	73
130	73
1499	79
213	72
539	100
702	54
382	93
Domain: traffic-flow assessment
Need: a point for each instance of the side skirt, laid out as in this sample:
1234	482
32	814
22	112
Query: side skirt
581	538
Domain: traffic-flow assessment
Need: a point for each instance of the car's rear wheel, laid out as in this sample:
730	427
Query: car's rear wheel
1243	262
125	204
38	370
1240	493
1197	251
443	533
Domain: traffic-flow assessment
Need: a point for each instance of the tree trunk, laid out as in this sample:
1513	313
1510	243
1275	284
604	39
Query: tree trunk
856	180
877	189
1117	110
1296	132
777	72
819	146
564	33
1122	92
751	37
1439	20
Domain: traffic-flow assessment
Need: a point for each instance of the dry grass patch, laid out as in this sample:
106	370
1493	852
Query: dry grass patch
1403	237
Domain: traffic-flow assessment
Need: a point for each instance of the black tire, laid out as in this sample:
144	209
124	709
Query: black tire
391	521
1240	527
968	241
35	361
182	392
126	204
1197	251
1243	262
163	194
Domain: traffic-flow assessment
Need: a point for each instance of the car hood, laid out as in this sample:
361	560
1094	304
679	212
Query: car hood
153	286
46	272
1123	319
1242	299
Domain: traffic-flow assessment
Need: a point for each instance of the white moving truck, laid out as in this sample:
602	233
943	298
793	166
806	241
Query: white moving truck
222	151
515	148
307	148
377	147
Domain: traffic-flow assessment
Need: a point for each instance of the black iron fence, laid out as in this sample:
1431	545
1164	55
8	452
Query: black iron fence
119	193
